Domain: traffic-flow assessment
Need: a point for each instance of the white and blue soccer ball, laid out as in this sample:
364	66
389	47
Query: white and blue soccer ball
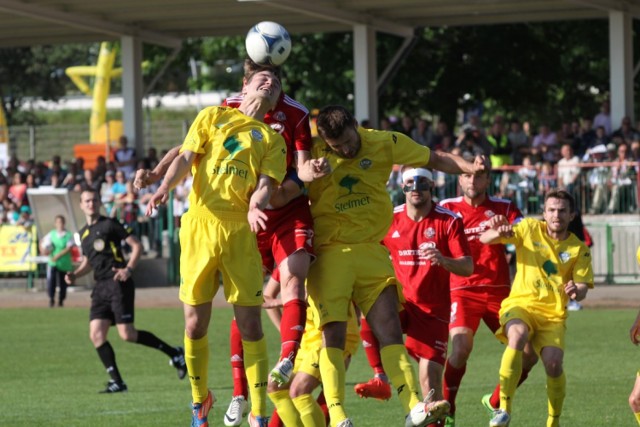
268	43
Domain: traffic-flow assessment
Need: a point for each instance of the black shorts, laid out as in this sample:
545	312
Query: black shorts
113	300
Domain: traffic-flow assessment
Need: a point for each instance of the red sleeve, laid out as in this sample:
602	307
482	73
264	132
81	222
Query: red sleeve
588	240
513	213
302	134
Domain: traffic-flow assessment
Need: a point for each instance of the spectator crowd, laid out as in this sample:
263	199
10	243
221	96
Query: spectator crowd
592	159
113	180
596	162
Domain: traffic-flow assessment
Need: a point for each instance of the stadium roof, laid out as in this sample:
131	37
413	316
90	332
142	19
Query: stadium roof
167	22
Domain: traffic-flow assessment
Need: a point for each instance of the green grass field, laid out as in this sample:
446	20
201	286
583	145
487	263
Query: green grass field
50	374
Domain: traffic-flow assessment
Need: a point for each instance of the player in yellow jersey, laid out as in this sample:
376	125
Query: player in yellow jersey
235	160
634	397
352	212
553	266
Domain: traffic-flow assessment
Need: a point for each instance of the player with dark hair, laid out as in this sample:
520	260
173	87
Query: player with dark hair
113	297
427	244
553	266
352	212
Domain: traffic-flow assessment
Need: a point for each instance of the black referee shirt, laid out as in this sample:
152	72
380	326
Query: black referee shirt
101	245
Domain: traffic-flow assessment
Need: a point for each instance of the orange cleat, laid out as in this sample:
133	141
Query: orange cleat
375	388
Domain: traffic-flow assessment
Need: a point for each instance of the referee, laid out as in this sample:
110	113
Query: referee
112	299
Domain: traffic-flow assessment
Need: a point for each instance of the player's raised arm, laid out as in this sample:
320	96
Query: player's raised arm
176	172
450	163
146	177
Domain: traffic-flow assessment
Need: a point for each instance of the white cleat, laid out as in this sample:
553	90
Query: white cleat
237	410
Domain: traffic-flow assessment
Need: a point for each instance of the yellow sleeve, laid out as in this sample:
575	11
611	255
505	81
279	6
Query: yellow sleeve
406	151
519	231
200	131
583	270
274	163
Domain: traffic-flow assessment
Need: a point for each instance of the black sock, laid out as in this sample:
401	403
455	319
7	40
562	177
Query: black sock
108	357
150	340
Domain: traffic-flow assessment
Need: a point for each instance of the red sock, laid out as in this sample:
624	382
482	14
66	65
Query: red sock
371	347
323	405
240	387
294	317
452	379
275	420
495	396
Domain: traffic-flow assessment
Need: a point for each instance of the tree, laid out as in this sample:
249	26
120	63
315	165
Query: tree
38	71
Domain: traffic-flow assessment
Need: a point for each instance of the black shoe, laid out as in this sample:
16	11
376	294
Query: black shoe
51	303
179	363
60	304
114	386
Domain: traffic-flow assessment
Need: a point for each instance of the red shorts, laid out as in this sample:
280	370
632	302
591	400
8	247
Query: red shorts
289	229
427	336
471	304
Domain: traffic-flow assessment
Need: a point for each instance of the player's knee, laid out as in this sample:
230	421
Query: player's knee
553	367
250	329
96	338
128	335
634	402
299	388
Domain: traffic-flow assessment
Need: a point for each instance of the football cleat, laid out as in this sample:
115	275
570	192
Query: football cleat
114	386
179	363
376	388
486	402
500	418
258	421
281	373
200	411
236	412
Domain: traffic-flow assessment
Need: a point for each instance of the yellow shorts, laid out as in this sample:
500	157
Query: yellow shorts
308	358
210	246
343	273
543	332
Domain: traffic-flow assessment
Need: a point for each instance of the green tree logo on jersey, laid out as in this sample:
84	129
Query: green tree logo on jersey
348	182
549	268
232	145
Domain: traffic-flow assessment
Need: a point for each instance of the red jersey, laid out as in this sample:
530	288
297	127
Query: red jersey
424	285
490	266
290	119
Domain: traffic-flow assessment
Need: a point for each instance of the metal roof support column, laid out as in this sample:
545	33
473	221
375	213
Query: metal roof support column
132	90
365	74
621	66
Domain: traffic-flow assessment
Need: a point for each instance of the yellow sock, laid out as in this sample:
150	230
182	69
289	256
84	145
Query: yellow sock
397	365
286	409
556	390
256	366
332	372
510	371
196	355
637	414
310	413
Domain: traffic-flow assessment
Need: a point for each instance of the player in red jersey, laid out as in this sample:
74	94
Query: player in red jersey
426	243
286	244
477	297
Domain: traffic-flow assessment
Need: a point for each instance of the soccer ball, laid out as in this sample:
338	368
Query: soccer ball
268	43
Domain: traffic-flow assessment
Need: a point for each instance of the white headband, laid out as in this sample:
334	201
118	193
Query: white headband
411	173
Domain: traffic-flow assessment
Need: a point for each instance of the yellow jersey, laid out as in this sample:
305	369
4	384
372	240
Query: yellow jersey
544	266
351	204
233	150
